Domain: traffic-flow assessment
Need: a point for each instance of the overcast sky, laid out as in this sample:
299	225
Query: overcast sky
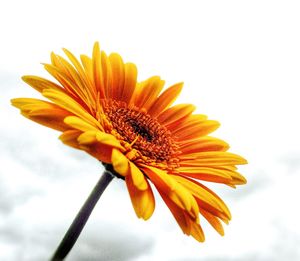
240	61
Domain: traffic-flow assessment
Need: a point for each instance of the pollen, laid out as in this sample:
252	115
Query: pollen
143	132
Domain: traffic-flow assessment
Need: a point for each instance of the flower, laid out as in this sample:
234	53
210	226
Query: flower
133	129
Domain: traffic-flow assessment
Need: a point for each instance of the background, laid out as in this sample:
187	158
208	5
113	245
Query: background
240	62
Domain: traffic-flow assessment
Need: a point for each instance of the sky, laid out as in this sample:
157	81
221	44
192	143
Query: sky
240	62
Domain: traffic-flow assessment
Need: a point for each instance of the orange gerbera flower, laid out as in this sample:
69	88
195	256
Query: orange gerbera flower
132	128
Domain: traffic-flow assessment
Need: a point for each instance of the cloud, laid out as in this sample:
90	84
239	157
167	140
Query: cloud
222	258
292	162
286	245
111	242
97	242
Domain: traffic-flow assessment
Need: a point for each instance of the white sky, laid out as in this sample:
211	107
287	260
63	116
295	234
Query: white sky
240	61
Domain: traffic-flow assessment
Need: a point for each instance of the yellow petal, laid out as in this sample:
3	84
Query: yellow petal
91	136
40	84
79	124
237	178
82	74
160	178
108	139
142	200
69	138
184	199
66	102
70	86
88	67
138	177
87	137
175	191
75	84
42	112
120	162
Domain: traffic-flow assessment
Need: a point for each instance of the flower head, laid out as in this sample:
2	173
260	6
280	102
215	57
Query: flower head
132	128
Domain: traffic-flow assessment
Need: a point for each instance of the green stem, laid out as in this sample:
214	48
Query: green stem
80	220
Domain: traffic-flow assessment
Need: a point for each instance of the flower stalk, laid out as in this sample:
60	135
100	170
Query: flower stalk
80	220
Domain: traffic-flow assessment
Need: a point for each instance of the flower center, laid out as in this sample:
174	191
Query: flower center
140	130
144	133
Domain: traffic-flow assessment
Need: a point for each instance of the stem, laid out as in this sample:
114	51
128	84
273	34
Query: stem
80	220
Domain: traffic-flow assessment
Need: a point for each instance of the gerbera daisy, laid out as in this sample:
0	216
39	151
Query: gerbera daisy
133	129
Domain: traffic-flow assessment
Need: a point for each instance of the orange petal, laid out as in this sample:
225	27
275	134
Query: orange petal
212	158
203	193
207	174
142	200
175	191
175	113
149	90
202	144
196	130
213	220
165	100
97	70
129	82
178	214
209	208
189	225
100	151
197	232
117	70
107	75
185	121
